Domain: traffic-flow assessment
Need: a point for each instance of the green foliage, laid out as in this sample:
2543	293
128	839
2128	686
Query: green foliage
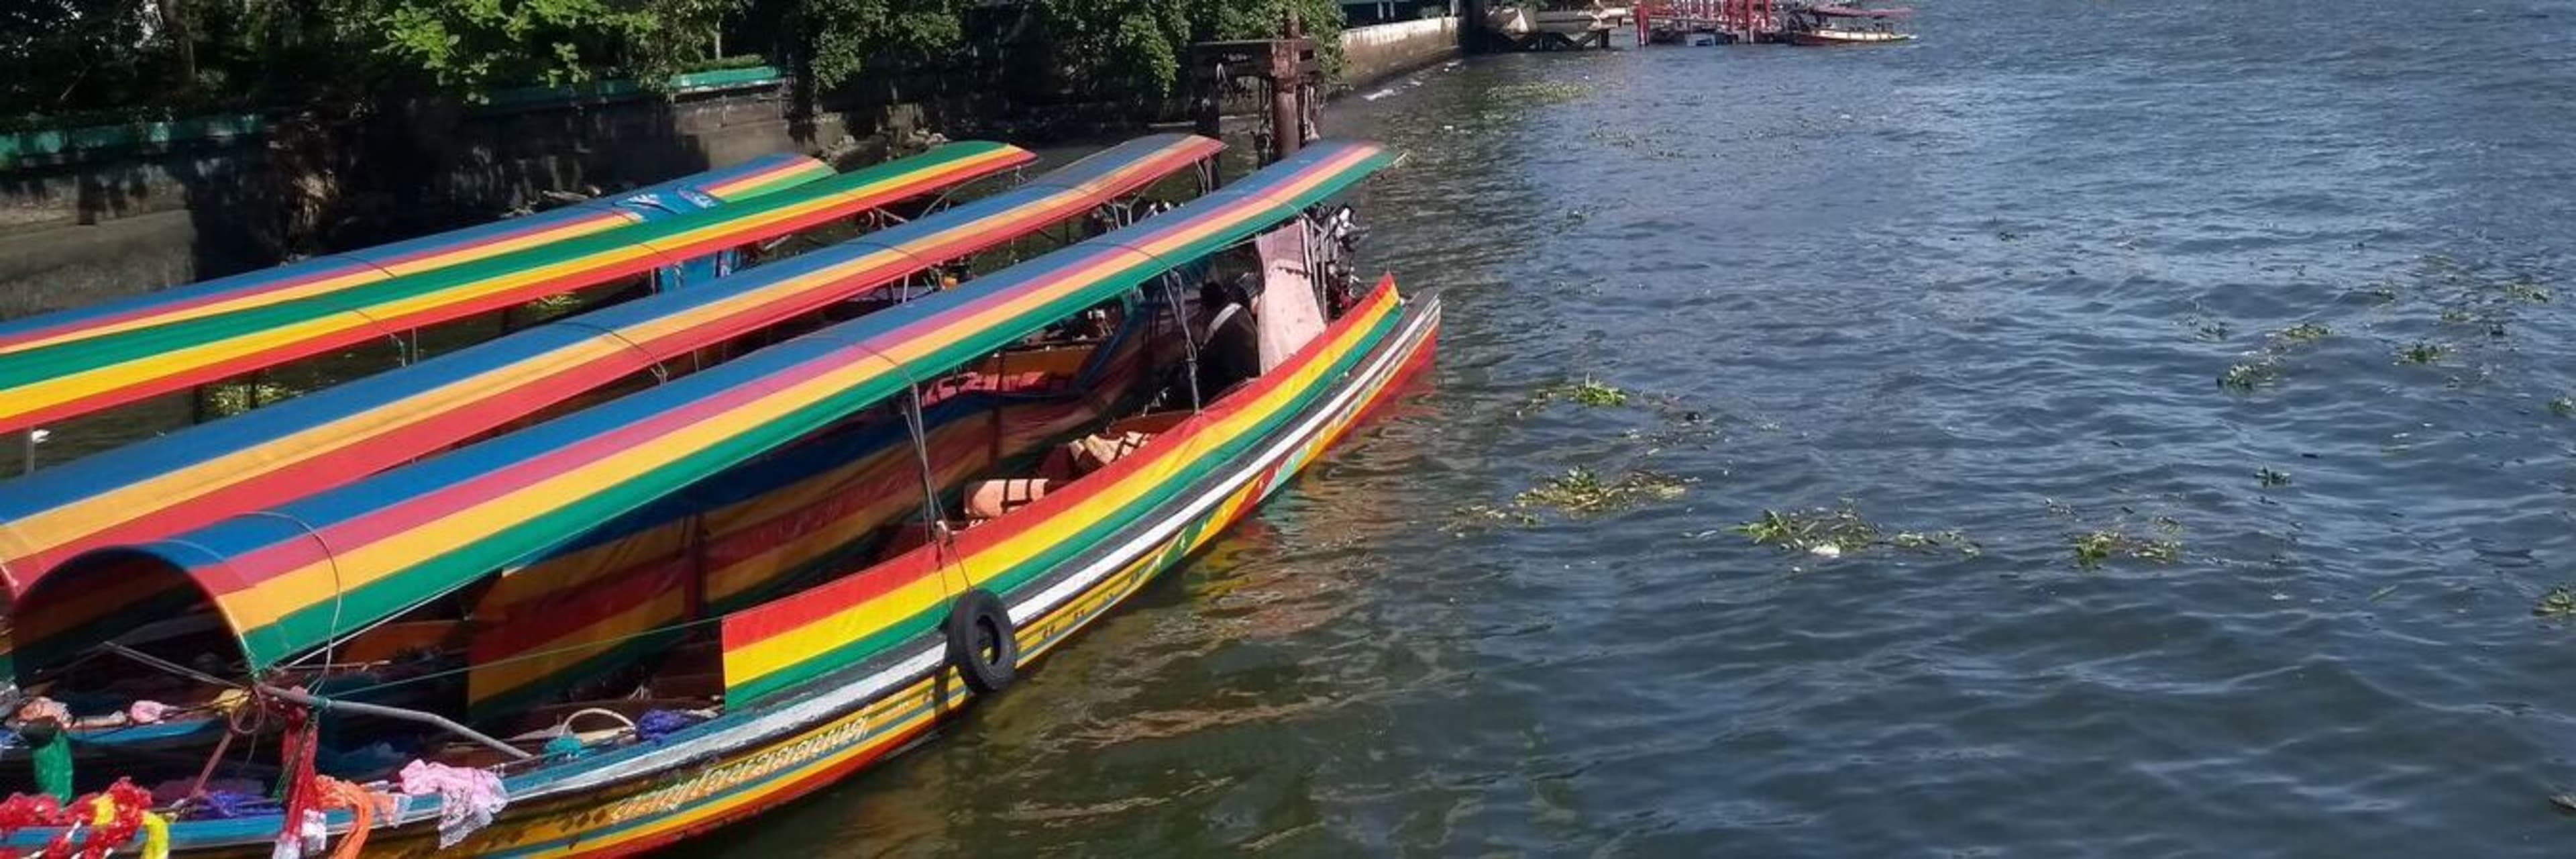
121	60
1136	47
845	37
476	46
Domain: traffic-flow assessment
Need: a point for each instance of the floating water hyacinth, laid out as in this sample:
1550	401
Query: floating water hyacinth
2559	602
1589	392
1579	491
2422	352
2302	334
1831	532
2095	547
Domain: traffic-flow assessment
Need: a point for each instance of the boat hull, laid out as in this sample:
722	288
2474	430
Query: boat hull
794	743
1827	38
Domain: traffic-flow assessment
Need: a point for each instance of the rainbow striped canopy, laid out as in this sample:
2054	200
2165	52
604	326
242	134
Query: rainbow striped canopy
428	253
111	362
296	576
266	457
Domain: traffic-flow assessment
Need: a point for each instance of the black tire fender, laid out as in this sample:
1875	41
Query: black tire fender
981	643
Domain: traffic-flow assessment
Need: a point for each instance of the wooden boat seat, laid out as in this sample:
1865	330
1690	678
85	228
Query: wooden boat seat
1155	423
1094	452
989	499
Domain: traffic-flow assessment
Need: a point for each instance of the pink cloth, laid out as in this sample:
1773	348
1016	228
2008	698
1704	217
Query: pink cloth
467	798
146	712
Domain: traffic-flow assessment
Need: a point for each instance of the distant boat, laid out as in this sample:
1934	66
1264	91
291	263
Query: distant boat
1845	25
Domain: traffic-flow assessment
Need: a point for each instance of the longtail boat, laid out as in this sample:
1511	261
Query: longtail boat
1835	24
1017	454
63	365
209	472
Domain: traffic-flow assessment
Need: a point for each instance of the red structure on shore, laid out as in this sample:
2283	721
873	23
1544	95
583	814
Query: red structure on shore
1733	20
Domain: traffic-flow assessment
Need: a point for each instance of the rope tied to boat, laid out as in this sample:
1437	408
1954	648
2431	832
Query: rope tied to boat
311	796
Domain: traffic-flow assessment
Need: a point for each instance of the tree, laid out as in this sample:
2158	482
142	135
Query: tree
842	38
1135	47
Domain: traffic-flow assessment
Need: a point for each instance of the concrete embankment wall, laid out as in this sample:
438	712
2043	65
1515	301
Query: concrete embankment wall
1375	53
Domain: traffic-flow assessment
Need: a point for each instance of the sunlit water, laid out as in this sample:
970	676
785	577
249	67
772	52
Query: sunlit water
1986	283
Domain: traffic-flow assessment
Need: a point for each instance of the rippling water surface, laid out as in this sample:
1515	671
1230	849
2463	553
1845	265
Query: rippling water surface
1985	283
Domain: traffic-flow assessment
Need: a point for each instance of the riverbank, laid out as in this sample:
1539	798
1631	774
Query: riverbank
93	214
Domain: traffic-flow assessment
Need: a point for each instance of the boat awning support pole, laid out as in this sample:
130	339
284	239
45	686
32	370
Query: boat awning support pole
1189	340
431	719
934	523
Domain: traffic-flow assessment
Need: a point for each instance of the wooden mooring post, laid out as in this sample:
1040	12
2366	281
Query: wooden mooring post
1287	69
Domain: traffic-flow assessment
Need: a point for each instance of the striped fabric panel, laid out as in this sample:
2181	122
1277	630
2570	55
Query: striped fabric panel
323	274
48	382
302	446
309	570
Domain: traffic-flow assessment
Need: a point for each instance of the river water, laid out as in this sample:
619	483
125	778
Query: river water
1986	284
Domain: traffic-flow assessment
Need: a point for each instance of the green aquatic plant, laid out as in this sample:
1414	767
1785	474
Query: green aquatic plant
1948	539
2269	477
2563	406
2559	602
2302	334
2093	548
2245	377
1841	529
2526	290
1579	491
2423	352
1588	392
1597	394
2458	315
1480	516
1801	530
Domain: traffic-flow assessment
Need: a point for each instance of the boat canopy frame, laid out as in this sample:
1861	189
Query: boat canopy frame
296	579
